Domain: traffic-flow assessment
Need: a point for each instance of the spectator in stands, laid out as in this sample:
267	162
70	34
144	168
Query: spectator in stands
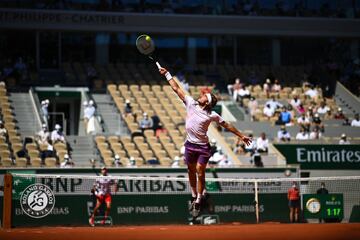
128	111
273	103
315	134
312	93
316	121
213	146
276	87
57	135
295	102
302	135
117	161
284	118
356	121
85	104
256	159
328	115
267	87
343	140
176	162
3	131
243	93
292	112
218	156
132	162
89	114
145	123
294	202
323	109
43	135
268	111
262	143
304	122
45	110
283	135
49	152
67	163
339	114
234	89
301	109
310	112
156	122
253	108
346	122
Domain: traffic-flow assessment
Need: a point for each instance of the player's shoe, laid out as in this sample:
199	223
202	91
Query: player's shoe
193	199
104	220
92	221
196	210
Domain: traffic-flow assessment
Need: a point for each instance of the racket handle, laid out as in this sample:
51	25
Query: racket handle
158	65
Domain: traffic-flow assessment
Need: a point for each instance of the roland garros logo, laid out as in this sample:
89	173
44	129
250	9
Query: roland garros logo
37	200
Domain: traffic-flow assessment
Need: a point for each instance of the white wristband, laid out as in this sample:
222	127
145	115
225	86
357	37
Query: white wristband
168	76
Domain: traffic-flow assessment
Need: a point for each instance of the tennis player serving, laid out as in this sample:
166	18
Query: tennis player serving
197	147
102	190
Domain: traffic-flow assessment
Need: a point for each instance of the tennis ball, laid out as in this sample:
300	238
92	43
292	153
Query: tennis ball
147	38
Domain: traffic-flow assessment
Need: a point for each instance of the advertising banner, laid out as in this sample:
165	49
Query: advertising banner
316	156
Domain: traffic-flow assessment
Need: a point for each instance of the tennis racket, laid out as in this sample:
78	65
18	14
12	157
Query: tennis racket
146	46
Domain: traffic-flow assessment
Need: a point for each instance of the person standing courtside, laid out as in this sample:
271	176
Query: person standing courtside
294	202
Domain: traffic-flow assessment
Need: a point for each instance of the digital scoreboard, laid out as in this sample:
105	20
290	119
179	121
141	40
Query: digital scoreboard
323	206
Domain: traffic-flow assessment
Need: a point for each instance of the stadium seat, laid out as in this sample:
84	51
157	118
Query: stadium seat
50	162
21	162
6	162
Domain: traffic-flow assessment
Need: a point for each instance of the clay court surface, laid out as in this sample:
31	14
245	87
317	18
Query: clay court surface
229	231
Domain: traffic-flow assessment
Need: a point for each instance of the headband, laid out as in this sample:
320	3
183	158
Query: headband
208	95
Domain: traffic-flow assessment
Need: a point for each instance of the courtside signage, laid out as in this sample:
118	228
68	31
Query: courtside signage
37	200
322	156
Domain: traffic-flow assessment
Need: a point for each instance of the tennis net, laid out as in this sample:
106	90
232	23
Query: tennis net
138	200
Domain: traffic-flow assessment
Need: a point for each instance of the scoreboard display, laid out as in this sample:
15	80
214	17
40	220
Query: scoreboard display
323	206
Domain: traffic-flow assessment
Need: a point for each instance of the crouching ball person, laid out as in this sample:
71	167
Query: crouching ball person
197	147
102	191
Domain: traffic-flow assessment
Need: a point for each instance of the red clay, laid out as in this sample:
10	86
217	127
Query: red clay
271	231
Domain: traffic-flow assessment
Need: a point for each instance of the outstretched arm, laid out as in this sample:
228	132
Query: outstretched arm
173	83
232	129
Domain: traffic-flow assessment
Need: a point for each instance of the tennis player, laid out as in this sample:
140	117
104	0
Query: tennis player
102	190
197	147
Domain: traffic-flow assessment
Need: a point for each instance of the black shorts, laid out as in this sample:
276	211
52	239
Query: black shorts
294	203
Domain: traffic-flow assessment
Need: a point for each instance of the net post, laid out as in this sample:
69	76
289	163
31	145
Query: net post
7	201
256	201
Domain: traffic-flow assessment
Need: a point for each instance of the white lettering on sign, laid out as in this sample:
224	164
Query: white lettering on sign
324	156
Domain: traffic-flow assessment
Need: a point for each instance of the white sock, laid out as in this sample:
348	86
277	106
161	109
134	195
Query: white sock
198	199
204	192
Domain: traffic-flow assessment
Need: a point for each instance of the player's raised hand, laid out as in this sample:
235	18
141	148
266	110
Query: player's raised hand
246	140
163	71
